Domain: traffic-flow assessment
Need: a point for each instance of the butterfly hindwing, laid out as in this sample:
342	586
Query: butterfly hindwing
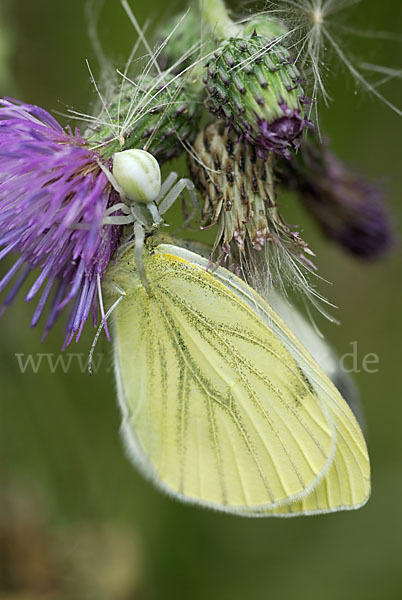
217	410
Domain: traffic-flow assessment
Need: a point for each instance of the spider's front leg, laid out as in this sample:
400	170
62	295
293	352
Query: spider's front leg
167	198
125	219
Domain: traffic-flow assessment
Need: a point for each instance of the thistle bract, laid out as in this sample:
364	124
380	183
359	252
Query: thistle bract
158	114
239	194
349	209
253	85
53	195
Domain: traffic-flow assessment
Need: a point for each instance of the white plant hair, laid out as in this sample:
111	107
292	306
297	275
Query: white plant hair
142	96
315	27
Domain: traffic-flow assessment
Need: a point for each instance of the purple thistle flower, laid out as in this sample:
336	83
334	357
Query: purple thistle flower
53	195
349	209
283	135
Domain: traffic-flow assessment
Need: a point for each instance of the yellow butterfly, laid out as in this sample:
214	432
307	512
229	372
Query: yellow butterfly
222	405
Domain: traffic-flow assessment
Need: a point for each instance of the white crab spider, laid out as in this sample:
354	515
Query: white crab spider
136	176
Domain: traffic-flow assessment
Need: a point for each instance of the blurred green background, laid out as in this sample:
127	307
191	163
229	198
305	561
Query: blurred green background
76	520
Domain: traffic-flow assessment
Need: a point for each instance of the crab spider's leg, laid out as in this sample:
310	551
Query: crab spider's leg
166	185
153	209
139	233
175	192
119	206
118	220
112	180
110	219
194	209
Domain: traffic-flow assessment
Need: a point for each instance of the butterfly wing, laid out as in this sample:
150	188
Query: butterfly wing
345	487
216	409
347	484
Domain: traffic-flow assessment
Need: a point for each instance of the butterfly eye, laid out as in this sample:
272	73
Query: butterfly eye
138	174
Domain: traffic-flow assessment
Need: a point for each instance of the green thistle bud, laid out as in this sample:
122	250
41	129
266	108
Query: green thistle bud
238	191
253	85
155	116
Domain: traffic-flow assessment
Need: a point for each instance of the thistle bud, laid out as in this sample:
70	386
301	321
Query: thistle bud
158	117
238	190
349	209
253	85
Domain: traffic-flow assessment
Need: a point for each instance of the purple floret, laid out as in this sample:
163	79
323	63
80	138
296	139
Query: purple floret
283	135
349	209
53	196
363	225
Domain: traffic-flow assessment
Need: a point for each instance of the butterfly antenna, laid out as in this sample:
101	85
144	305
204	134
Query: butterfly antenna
102	307
100	328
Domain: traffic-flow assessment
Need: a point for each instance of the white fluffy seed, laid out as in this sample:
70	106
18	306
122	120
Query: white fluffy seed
138	174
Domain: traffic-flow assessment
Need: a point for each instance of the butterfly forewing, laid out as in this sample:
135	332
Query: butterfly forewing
217	410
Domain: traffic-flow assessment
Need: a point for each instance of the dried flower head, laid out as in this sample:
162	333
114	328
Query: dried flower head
239	198
53	195
349	209
236	185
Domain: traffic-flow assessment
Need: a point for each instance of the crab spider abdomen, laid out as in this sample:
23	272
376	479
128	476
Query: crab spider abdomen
138	174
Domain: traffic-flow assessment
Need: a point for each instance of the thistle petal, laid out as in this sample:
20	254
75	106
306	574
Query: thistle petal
53	195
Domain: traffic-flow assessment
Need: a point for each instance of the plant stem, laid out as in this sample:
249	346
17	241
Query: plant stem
215	13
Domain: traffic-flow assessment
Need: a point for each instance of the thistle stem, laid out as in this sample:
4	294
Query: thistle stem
215	13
